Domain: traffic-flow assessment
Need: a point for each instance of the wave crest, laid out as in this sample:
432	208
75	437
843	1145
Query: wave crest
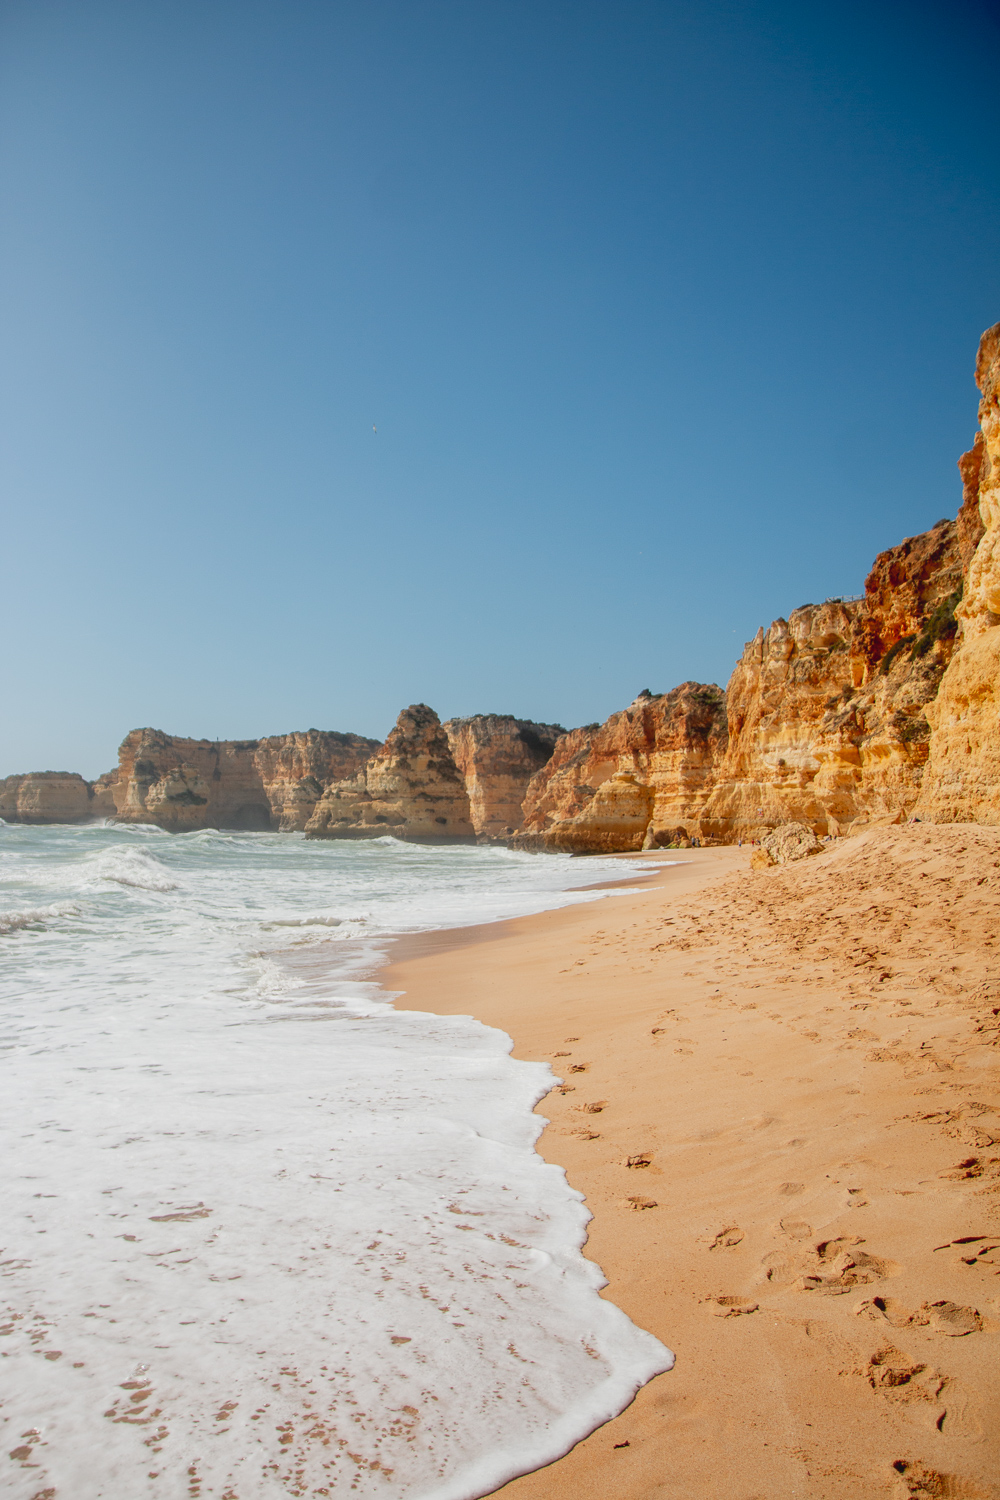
135	868
33	916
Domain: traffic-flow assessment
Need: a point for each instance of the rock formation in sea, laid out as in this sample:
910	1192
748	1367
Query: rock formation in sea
411	788
428	781
497	756
47	797
669	742
962	781
296	768
184	784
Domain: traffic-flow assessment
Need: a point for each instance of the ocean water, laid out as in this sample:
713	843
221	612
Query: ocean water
261	1233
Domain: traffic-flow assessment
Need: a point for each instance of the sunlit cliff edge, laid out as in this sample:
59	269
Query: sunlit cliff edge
871	709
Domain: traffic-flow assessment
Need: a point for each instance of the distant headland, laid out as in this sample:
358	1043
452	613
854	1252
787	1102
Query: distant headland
872	709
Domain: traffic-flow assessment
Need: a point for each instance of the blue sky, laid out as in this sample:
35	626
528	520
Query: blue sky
665	314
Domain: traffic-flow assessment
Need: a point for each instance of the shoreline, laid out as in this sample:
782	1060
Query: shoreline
739	1107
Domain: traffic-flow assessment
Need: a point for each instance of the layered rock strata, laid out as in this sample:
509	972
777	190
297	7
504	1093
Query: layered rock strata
827	709
824	721
616	819
48	797
497	756
184	784
411	788
962	782
668	742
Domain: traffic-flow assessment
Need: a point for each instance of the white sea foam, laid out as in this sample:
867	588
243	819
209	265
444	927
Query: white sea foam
34	916
133	867
264	1231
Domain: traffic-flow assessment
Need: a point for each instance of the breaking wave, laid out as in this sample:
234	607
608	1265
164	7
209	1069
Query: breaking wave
133	867
33	916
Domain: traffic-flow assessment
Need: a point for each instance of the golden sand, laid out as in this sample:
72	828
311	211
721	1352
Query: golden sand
781	1098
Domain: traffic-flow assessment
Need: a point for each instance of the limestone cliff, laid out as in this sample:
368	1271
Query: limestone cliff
962	782
183	784
669	743
411	788
823	722
47	797
827	710
295	769
103	795
497	756
614	821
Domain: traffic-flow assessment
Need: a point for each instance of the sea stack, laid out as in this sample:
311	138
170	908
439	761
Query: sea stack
411	789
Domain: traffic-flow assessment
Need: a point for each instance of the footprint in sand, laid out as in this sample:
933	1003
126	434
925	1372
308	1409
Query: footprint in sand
974	1249
637	1204
923	1483
640	1159
972	1166
797	1228
592	1109
835	1266
910	1384
725	1239
950	1318
730	1307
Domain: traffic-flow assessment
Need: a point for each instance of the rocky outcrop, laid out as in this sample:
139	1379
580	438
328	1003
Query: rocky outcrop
47	797
183	784
615	820
827	709
103	795
669	743
787	843
824	722
497	755
411	788
295	768
962	782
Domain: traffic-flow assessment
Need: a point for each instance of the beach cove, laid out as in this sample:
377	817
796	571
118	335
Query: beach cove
780	1100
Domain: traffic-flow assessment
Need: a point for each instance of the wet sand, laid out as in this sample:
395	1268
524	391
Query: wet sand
781	1098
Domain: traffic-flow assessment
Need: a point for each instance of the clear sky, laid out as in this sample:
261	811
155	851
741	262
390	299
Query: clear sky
665	314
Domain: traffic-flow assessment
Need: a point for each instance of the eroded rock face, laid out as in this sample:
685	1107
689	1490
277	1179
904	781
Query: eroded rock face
615	820
497	755
670	743
295	769
46	797
827	709
183	784
103	795
411	788
962	782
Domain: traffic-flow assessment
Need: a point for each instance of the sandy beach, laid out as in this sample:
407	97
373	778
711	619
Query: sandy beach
780	1097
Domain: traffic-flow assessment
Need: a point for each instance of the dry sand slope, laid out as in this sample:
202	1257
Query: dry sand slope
781	1098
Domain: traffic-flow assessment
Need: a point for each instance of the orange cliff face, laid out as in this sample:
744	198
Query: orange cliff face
827	710
411	788
962	782
428	781
183	784
49	797
824	722
669	743
497	756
